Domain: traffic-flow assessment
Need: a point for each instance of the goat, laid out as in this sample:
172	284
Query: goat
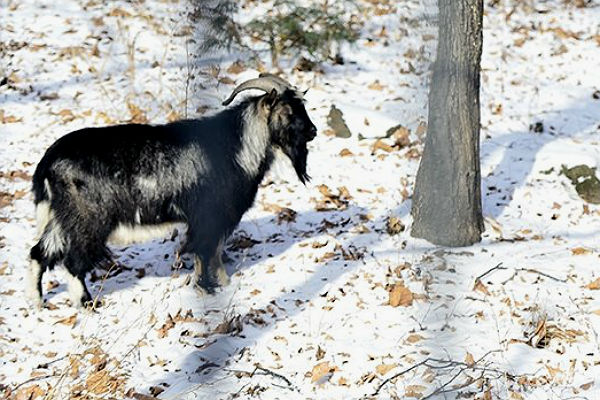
128	183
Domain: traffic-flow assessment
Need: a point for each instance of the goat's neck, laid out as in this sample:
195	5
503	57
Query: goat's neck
254	155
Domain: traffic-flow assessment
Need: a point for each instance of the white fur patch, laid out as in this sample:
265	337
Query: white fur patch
174	175
147	184
31	284
48	191
128	234
255	139
53	240
42	215
75	288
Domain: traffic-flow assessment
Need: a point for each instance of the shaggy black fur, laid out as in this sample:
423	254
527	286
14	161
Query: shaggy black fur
188	171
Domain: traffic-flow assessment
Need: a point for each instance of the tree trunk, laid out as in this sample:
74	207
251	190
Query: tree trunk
447	198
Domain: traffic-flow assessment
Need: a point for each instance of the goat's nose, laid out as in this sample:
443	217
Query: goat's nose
312	133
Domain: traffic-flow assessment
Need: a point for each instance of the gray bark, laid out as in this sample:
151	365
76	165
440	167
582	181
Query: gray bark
447	198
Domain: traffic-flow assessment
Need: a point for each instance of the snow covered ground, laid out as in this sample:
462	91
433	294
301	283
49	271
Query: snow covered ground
324	302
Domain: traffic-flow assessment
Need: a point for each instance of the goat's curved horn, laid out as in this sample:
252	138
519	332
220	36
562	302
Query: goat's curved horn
260	83
275	78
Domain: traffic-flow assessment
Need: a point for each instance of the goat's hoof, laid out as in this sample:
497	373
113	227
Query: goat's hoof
93	304
206	287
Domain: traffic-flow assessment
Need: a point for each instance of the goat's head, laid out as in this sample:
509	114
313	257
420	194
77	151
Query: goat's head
290	126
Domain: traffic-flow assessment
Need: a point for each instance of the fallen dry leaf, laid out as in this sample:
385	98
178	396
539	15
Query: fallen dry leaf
595	285
383	369
68	320
137	115
577	251
480	287
394	226
321	371
346	153
29	393
414	338
469	359
376	85
415	391
400	295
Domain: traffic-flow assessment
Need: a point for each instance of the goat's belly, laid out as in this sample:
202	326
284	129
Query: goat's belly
125	234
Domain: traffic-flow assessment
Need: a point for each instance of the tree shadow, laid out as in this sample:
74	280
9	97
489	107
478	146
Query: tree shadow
520	150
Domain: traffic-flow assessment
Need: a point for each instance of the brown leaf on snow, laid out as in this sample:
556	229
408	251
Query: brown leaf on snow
415	391
163	331
320	353
242	241
380	144
578	251
7	198
322	372
8	119
394	226
101	382
29	393
66	115
480	287
414	338
345	153
231	325
383	369
376	85
469	360
331	201
17	174
595	285
119	12
553	371
400	295
138	116
68	320
538	338
173	116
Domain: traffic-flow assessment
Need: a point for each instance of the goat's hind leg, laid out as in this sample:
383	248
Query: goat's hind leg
81	260
44	255
33	278
78	292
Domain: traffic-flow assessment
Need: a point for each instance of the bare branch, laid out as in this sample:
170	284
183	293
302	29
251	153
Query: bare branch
499	266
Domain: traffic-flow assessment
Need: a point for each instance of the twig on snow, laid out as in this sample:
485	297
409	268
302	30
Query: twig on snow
35	378
445	364
516	271
534	271
499	266
265	371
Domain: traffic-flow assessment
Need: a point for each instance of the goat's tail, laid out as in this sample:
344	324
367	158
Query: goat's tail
42	194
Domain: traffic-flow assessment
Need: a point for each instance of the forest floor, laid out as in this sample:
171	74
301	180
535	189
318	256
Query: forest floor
330	296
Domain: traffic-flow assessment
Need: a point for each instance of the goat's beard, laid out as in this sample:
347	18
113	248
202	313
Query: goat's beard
298	155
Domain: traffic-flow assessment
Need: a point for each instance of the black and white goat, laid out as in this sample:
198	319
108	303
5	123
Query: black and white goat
128	183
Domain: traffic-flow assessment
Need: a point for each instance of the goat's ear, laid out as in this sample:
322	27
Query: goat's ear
271	98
